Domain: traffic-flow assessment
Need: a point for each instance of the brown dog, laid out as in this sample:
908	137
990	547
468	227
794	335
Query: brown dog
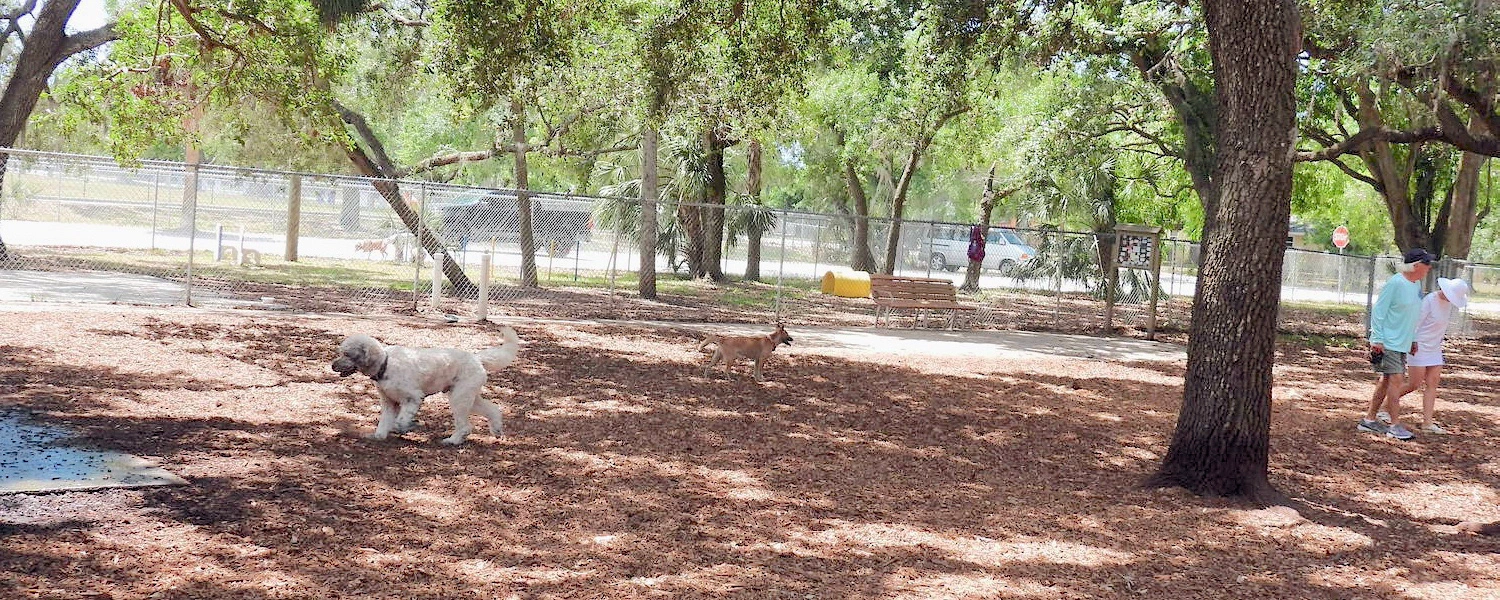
734	347
369	246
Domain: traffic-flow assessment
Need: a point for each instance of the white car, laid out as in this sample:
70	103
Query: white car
948	249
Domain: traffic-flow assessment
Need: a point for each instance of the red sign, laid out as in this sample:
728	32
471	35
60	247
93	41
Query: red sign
1341	237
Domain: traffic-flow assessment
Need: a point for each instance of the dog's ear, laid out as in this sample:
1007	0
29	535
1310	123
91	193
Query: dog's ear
361	349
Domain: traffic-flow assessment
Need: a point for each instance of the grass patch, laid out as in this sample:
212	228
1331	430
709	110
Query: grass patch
364	274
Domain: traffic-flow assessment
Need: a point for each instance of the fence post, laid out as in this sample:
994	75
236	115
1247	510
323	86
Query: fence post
481	313
817	249
293	217
929	255
1370	296
1155	289
155	197
1341	275
218	242
190	200
781	266
418	249
1111	280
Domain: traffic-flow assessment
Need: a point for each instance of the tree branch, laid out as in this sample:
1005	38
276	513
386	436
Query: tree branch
397	18
367	135
87	40
443	160
208	37
1457	133
1357	142
252	21
618	147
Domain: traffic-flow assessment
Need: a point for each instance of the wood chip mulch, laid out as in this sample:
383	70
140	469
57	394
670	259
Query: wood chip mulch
624	473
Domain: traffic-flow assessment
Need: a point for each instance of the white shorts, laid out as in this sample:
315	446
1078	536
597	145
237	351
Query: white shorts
1425	358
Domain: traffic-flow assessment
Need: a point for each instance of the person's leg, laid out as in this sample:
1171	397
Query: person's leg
1429	394
1393	397
1379	396
1413	382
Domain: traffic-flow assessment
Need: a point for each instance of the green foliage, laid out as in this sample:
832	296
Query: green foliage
165	65
490	45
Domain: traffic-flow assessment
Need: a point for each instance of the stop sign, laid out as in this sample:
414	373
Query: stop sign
1341	237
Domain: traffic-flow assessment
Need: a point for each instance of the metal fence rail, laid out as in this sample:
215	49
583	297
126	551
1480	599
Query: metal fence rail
87	229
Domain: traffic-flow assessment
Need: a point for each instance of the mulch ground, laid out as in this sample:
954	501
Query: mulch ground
624	473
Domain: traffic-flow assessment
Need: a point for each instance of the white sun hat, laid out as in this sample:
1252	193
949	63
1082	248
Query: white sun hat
1457	291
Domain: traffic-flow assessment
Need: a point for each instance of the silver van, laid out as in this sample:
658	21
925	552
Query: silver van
1003	249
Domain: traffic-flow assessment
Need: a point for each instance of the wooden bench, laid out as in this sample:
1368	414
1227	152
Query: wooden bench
918	294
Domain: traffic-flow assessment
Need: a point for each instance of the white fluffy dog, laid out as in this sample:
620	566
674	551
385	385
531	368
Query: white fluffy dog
405	376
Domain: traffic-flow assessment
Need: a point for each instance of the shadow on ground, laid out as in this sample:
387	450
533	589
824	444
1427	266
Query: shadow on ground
631	475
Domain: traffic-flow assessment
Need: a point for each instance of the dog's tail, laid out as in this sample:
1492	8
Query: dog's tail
711	339
496	359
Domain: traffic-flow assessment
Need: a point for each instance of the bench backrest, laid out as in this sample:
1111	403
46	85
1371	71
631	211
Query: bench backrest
911	288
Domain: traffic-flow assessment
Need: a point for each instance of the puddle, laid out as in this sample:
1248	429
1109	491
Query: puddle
36	457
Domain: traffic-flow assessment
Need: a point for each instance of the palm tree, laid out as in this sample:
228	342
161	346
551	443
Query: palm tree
679	233
750	218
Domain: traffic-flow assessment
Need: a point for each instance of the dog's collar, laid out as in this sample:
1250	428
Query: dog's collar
381	373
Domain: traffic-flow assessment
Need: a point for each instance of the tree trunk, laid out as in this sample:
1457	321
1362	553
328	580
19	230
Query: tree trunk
370	159
898	207
713	214
646	279
523	198
1393	176
986	208
1465	205
389	190
1195	109
1221	445
690	219
861	258
753	233
898	199
45	47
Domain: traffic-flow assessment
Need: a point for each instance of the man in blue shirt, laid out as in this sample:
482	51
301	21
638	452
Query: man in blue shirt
1393	331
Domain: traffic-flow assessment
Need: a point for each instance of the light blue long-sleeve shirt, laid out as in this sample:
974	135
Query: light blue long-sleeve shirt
1393	319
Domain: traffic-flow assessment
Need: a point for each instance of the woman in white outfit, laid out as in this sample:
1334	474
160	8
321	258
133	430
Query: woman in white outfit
1426	363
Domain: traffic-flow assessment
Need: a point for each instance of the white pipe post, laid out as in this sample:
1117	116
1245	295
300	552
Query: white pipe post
239	256
481	313
218	242
437	279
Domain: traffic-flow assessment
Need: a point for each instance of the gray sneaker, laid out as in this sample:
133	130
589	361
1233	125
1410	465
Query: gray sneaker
1384	417
1372	426
1435	429
1399	432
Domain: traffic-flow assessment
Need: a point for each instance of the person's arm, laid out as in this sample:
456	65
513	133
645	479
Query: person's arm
1379	314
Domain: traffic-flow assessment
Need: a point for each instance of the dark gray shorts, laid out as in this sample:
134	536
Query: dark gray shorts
1393	364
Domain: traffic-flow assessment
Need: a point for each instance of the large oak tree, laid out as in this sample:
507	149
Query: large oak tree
1221	442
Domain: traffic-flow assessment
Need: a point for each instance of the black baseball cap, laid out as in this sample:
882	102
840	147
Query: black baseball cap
1418	255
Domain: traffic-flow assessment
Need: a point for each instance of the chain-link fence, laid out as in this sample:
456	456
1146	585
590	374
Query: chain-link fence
81	228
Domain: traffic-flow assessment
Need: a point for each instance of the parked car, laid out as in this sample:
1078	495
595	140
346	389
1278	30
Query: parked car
948	249
555	229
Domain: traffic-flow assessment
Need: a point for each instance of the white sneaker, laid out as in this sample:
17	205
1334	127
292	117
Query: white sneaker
1384	417
1433	428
